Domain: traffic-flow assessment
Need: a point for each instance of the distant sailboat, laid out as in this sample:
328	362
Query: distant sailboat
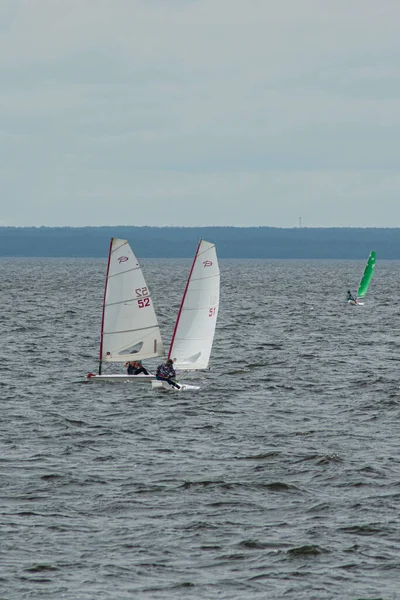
365	280
194	330
129	326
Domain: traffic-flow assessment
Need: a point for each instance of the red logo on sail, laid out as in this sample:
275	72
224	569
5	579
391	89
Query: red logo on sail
122	259
207	263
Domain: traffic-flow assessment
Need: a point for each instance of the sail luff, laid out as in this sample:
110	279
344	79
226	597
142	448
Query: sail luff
104	305
183	301
367	275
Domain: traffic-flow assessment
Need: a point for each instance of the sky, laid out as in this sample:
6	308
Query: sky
200	112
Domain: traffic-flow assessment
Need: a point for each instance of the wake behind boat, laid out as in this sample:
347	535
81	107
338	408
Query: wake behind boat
194	330
364	283
129	326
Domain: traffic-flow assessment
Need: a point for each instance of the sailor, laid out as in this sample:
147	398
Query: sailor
166	372
349	296
135	367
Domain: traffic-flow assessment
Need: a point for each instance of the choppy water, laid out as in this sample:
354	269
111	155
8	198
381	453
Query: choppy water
280	478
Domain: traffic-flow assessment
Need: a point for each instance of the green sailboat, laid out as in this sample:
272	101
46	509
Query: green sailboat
366	279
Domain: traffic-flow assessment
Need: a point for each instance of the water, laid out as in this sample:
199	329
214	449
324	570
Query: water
278	479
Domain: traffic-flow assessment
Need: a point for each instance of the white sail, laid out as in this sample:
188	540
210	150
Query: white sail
194	330
129	325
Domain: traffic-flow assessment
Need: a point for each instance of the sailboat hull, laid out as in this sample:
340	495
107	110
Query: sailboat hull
184	387
120	378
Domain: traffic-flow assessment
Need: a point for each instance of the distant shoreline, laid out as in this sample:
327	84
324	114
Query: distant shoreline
180	242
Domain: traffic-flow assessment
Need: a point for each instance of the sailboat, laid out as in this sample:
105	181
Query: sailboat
194	330
365	280
129	326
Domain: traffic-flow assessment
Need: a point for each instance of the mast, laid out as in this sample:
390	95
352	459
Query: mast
104	305
182	301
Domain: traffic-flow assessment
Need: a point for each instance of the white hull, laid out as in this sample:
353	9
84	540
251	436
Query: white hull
352	303
184	387
120	378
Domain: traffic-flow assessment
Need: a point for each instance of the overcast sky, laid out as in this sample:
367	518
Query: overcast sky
200	112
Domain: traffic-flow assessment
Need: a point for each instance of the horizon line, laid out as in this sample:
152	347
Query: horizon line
196	227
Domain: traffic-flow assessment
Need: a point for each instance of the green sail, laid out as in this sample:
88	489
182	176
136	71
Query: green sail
368	273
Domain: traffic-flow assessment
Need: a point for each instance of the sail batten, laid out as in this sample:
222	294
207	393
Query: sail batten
124	301
126	331
127	271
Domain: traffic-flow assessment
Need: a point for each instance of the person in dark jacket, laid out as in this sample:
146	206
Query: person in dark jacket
166	372
135	367
350	298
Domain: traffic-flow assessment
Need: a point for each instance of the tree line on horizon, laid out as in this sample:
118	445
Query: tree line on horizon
181	242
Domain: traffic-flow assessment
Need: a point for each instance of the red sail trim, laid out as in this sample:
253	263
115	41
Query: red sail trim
183	300
104	302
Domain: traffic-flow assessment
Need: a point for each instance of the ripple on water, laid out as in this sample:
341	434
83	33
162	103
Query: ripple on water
278	479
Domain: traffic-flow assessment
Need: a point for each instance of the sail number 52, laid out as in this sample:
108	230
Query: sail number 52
142	292
144	302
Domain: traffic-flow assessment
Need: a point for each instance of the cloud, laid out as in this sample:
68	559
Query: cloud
230	111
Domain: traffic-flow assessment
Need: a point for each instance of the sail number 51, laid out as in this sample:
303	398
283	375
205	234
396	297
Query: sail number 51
212	311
